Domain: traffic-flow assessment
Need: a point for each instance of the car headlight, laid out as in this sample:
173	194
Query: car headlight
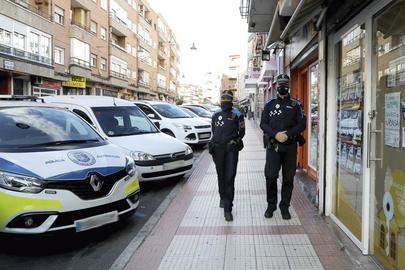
189	150
130	166
21	183
185	127
141	156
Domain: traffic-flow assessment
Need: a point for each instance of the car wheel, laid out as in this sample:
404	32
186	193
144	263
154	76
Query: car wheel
168	132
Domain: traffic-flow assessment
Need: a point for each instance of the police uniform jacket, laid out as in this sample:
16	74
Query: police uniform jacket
227	126
283	114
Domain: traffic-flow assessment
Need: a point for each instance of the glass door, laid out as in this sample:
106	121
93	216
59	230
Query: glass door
313	118
348	177
388	133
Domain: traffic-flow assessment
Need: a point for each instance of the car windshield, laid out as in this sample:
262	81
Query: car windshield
123	121
200	111
29	127
190	113
170	111
212	108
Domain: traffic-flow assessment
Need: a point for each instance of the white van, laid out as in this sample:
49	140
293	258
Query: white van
157	156
176	123
58	173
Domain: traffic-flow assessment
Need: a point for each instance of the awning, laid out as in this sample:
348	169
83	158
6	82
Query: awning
305	12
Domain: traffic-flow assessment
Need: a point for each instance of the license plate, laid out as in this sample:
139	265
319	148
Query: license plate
205	135
173	165
96	221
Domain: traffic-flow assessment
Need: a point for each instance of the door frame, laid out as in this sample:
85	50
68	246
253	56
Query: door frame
364	17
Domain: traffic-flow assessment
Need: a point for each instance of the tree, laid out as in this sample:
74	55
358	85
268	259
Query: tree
179	101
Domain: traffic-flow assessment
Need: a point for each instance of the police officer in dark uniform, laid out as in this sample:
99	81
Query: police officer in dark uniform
282	122
228	128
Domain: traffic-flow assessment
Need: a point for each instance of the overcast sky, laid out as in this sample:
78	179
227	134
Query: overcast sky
214	25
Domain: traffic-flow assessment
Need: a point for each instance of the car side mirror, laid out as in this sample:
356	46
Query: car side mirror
151	115
157	124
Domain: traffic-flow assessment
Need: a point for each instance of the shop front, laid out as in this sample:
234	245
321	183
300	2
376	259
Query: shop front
365	171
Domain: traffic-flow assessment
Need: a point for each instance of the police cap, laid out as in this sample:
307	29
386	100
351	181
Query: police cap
283	79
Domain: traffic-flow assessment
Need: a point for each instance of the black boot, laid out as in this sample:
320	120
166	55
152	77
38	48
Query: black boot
285	214
221	203
228	216
269	212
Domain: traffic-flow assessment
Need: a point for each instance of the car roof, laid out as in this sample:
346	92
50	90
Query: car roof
13	103
89	101
150	102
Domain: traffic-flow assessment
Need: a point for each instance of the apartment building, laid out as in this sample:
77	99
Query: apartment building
86	47
229	81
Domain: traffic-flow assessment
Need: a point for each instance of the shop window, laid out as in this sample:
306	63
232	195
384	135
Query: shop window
382	236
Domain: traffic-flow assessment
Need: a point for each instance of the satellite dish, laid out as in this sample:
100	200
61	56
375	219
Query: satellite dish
193	47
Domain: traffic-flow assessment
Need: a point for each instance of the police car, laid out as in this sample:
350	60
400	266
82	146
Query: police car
57	172
157	156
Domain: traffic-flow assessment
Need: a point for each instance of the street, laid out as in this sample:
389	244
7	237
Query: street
95	249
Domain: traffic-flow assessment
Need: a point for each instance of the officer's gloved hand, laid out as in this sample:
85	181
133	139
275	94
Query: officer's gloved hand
281	136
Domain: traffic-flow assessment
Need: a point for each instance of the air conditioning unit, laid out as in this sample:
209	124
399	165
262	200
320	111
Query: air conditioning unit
37	80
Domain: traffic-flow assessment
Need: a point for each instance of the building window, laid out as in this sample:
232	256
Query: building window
59	56
93	27
103	4
393	246
45	46
59	16
5	37
93	60
103	63
80	53
34	43
19	41
103	33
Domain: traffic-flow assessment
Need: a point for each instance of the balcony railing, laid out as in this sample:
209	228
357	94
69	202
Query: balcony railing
5	49
118	75
117	19
144	40
79	62
83	26
32	8
144	84
146	19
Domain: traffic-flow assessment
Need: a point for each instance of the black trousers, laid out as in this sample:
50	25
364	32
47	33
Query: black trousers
285	158
226	161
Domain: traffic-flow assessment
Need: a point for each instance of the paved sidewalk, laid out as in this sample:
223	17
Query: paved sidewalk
192	233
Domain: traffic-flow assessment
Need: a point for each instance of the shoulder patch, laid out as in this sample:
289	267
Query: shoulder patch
295	102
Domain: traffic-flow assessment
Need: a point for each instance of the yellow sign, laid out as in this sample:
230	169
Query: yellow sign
75	82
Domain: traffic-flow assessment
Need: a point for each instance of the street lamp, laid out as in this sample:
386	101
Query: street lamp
193	47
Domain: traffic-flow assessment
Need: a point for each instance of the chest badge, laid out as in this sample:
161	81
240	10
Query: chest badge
277	106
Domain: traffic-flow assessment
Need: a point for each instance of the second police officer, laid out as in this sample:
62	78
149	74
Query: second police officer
282	122
228	128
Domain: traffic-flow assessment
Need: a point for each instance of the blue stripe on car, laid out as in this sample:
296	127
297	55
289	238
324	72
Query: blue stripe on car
11	167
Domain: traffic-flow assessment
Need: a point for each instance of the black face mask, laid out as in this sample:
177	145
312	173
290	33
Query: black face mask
226	105
283	90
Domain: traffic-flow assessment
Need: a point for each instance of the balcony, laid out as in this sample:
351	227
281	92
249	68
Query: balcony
118	51
83	4
144	42
118	26
24	55
144	84
79	62
118	75
80	32
145	20
162	53
33	8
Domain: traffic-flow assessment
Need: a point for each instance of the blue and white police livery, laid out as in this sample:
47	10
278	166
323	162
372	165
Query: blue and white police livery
57	172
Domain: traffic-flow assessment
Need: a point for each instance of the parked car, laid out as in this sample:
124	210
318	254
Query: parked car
157	156
58	173
176	123
211	108
192	114
204	113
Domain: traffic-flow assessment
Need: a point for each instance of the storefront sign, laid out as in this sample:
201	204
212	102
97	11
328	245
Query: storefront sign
75	82
9	65
51	84
392	119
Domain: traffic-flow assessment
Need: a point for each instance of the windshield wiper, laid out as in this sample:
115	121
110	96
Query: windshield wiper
57	143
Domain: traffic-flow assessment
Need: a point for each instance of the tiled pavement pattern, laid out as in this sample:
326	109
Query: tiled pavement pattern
193	234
